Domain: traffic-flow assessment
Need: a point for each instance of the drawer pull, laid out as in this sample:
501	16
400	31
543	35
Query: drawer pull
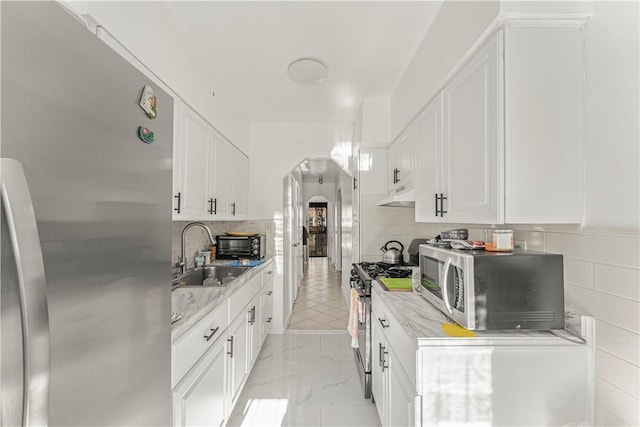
269	272
269	319
213	332
269	292
230	352
383	322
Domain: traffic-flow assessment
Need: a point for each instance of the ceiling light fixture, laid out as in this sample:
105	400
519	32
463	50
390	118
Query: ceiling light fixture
307	71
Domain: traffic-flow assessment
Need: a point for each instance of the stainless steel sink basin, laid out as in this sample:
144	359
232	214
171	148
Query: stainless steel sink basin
213	275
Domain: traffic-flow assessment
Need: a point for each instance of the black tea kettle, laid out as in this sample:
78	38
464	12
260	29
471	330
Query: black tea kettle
392	255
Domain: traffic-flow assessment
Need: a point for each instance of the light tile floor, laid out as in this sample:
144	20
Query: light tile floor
308	377
319	305
304	380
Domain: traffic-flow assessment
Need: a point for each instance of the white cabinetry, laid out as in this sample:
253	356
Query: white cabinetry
393	391
401	160
239	354
459	145
202	399
212	360
473	141
192	152
267	304
429	127
239	185
211	176
506	128
423	376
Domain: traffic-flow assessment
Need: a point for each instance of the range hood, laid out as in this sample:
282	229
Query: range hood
403	199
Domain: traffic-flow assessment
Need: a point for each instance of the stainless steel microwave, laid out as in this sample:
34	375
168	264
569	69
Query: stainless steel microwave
238	247
494	290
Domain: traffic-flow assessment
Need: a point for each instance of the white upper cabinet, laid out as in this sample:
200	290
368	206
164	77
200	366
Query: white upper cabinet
401	160
211	176
239	185
544	123
219	194
459	142
473	140
191	162
503	141
429	127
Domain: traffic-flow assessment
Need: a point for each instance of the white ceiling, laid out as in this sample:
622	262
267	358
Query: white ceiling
248	44
314	168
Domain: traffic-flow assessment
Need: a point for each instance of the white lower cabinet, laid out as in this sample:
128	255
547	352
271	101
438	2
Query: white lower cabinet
211	362
393	391
518	378
255	336
201	400
239	354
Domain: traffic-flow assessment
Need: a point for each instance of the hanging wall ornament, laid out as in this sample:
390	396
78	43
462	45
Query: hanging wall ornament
148	102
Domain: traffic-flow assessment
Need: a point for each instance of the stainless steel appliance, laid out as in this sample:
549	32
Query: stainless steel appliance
492	291
362	276
236	247
86	229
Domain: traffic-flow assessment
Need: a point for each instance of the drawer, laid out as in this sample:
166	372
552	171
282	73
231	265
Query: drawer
267	293
267	274
396	337
243	296
194	343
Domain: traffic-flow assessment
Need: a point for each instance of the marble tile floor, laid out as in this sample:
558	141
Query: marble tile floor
319	305
304	380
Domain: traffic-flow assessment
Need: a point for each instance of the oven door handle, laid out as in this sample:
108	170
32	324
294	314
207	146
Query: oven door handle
445	278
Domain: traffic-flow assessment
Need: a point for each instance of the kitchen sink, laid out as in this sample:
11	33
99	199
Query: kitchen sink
213	275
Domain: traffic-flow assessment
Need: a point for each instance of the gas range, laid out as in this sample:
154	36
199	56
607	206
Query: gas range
362	276
364	273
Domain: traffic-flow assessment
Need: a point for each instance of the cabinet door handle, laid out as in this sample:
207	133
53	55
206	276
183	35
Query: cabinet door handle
178	196
210	210
269	292
355	183
380	355
384	359
383	322
442	199
436	197
397	175
233	208
230	352
213	332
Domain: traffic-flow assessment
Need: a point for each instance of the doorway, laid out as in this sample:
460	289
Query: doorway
317	223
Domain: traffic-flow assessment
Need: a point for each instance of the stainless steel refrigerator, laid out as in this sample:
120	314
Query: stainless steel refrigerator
86	229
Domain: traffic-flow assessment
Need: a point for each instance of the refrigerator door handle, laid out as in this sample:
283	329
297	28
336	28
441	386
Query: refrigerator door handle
25	241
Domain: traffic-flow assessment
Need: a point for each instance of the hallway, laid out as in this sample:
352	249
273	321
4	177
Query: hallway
320	305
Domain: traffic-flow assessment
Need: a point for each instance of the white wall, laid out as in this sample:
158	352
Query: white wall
602	255
276	148
455	29
150	32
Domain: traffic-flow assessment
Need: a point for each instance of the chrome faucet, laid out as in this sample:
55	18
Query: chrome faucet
182	261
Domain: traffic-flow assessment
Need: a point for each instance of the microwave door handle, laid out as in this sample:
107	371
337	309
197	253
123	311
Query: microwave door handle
445	279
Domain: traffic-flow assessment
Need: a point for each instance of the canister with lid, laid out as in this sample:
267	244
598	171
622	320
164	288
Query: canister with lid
498	240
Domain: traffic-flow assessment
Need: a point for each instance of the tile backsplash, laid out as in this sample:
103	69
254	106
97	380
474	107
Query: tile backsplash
602	279
197	239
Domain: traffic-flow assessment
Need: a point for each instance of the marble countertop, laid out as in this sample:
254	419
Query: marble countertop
196	302
422	322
